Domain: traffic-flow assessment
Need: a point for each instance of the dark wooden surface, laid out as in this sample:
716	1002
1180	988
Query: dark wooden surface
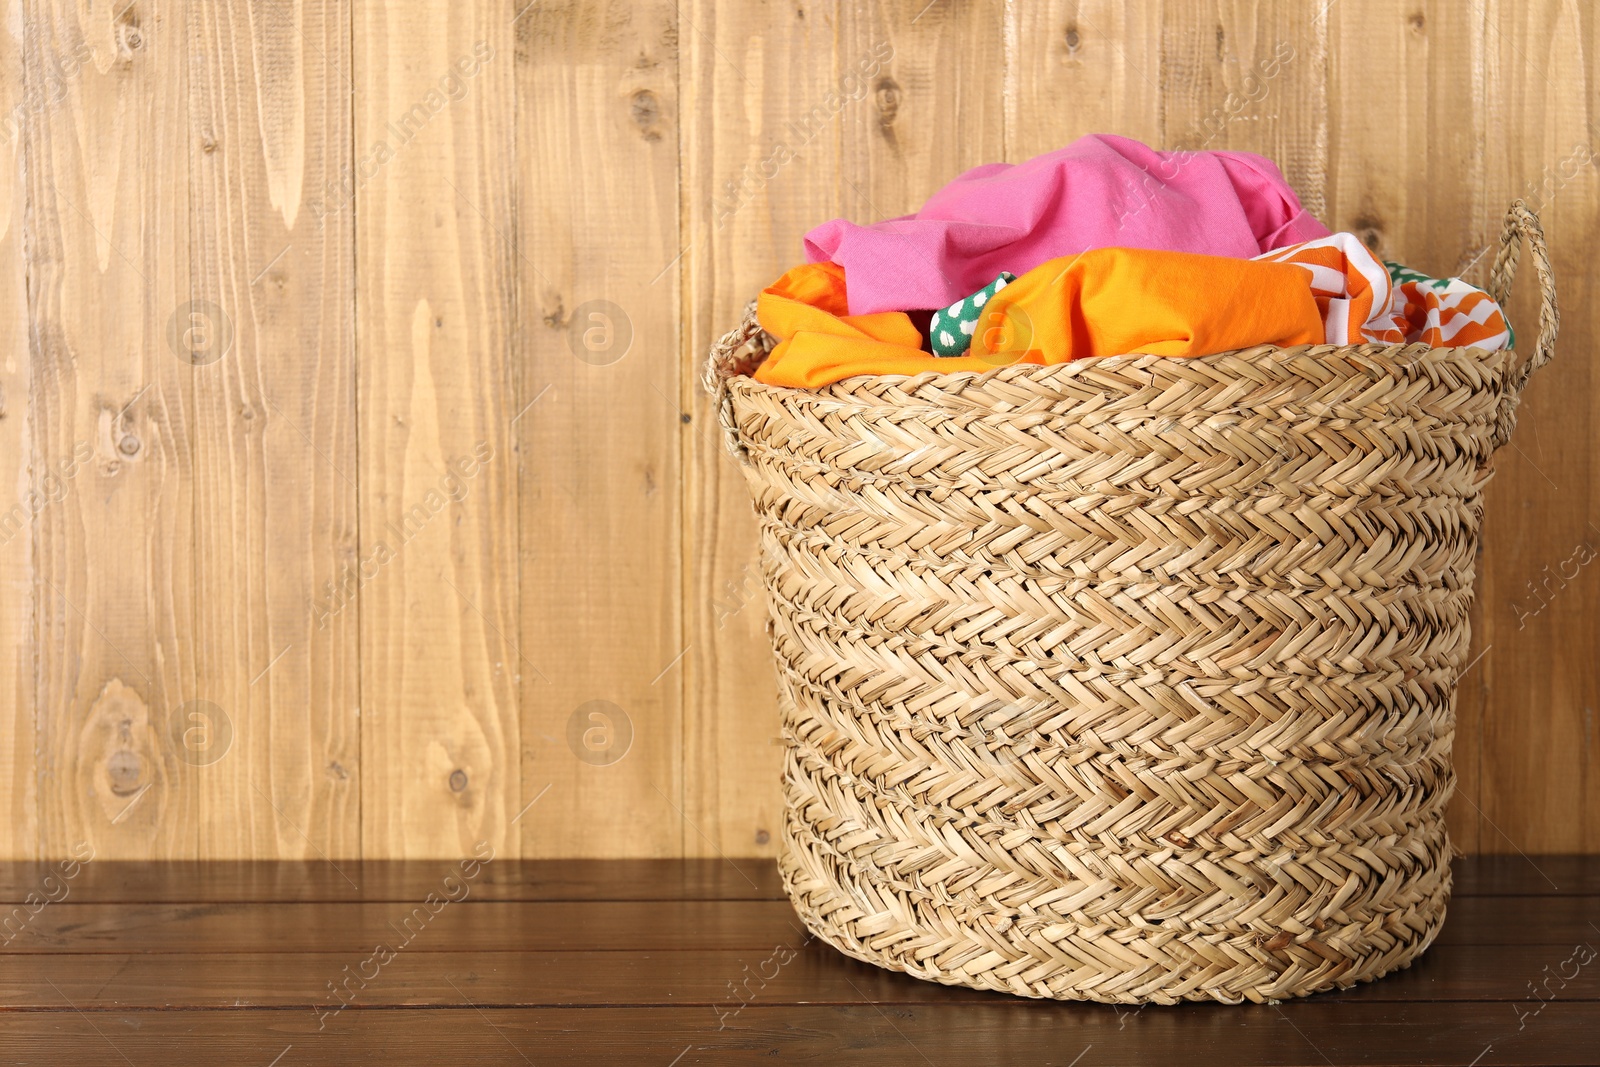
661	962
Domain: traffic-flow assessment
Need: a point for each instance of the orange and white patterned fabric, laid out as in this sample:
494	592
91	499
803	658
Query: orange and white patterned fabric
1364	300
1444	312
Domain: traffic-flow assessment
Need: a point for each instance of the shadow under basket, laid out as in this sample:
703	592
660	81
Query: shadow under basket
1127	679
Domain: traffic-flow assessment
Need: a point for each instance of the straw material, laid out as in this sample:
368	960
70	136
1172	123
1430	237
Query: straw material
1127	679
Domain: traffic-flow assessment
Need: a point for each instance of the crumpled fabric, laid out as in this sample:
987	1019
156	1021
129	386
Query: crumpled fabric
1122	301
1100	191
1105	302
950	329
1362	299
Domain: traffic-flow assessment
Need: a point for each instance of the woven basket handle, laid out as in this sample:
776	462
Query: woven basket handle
1522	224
739	351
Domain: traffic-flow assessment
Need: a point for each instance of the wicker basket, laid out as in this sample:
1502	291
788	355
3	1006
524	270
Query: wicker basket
1127	679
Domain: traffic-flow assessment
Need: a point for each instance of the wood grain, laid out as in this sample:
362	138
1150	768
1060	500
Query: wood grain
1242	76
597	925
764	99
274	434
1099	62
601	445
305	411
318	881
661	963
21	497
433	572
1539	776
936	111
1312	1034
473	926
694	977
115	340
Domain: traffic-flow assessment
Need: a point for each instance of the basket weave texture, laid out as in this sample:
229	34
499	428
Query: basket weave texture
1127	679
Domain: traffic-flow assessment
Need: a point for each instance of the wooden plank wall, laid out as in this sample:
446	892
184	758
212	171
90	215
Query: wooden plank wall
366	501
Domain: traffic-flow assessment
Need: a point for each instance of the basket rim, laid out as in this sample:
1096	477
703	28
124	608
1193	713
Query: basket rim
1415	354
724	366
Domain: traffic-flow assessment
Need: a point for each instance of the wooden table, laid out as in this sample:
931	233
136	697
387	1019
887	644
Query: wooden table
672	963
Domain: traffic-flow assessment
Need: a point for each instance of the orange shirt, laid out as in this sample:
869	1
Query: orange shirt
1105	302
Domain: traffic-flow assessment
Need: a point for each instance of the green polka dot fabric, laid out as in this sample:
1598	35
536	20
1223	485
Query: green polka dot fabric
950	330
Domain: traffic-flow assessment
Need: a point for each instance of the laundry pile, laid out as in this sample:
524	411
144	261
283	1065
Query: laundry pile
1104	247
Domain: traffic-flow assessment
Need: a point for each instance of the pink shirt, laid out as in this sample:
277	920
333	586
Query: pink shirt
1101	191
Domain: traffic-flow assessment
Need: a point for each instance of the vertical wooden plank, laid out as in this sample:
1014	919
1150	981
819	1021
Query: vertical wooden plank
20	496
765	98
1406	129
779	140
1245	76
601	445
275	463
936	111
1076	68
434	574
1538	629
1406	125
108	212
